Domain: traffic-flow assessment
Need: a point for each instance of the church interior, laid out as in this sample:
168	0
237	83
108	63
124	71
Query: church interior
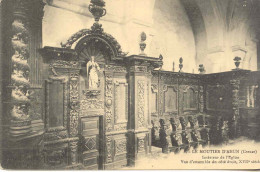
98	84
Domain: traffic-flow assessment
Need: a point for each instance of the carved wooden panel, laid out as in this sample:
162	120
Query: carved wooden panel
154	98
218	97
141	103
109	155
56	104
120	146
141	144
121	102
170	99
108	101
56	155
119	150
90	141
56	99
190	98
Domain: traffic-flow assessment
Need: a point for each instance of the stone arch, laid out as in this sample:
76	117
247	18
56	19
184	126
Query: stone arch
198	27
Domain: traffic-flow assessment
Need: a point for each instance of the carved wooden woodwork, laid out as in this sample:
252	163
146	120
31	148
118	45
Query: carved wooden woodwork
141	103
110	126
217	97
56	100
121	102
235	121
154	99
190	98
90	141
110	101
22	102
170	99
74	104
183	127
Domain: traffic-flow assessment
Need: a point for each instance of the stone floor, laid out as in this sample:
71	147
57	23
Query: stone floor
210	157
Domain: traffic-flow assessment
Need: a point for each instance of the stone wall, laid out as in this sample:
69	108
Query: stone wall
168	31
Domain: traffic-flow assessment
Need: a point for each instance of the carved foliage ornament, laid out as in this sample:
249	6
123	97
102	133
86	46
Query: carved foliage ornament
201	99
109	149
141	144
73	152
87	104
97	32
121	101
141	103
20	75
120	146
65	64
74	98
115	68
108	101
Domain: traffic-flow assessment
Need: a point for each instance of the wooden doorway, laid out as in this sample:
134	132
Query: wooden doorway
91	136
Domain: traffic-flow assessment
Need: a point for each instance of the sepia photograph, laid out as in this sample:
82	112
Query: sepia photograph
129	85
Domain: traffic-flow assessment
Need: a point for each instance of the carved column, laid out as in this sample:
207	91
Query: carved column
20	17
235	121
74	114
201	99
73	152
140	68
20	84
21	43
138	111
108	116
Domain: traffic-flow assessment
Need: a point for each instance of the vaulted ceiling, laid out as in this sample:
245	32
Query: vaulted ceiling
221	29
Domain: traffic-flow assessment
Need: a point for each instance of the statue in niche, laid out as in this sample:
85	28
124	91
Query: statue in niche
92	74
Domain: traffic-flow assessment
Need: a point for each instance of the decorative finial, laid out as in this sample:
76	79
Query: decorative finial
201	69
237	62
97	9
142	43
161	57
180	65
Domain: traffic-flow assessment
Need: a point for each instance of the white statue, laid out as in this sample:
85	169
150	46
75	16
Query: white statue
92	73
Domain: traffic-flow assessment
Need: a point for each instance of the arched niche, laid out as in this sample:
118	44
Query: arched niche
94	42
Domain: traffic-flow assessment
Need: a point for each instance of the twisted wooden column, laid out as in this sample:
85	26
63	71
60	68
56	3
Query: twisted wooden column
23	16
20	84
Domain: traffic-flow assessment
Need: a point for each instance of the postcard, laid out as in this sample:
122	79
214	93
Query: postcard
129	84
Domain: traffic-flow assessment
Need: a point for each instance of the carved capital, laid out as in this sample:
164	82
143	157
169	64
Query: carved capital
29	9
